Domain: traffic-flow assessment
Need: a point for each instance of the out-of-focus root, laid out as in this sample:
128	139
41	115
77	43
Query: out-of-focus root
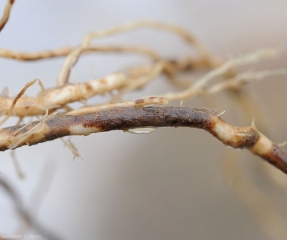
6	13
26	56
268	218
197	87
243	78
68	143
16	164
181	32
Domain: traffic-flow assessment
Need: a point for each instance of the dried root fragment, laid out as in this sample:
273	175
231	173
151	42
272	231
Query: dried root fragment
129	117
6	13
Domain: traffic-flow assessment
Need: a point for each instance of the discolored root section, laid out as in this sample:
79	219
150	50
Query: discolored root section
126	118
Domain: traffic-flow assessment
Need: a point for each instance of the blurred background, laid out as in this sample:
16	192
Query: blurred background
171	184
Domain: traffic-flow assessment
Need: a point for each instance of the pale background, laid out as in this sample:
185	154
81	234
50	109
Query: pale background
161	186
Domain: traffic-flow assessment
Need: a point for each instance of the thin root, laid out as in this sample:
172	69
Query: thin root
19	95
6	13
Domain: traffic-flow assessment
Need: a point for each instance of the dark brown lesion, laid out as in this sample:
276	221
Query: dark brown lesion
249	140
58	127
127	118
277	157
139	101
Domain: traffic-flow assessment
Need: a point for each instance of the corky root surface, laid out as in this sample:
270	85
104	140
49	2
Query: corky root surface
125	118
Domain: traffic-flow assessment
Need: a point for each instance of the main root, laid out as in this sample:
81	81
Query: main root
126	118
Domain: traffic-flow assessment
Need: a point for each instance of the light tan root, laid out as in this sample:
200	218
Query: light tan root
59	97
68	143
6	13
16	164
197	87
19	95
181	32
140	81
243	78
72	58
137	77
26	56
137	104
